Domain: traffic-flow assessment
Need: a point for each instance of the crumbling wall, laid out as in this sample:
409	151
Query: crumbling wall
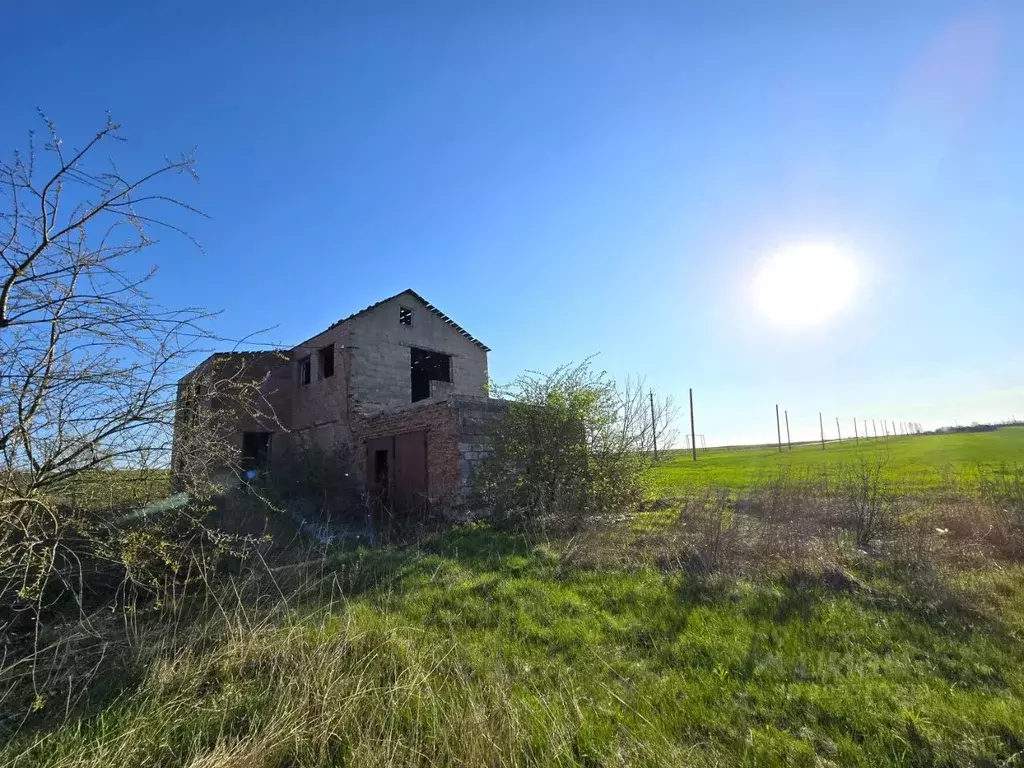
475	420
211	386
458	439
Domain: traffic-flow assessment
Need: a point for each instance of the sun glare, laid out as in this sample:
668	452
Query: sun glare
805	285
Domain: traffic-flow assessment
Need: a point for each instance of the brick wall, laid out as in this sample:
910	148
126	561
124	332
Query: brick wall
438	420
458	439
320	409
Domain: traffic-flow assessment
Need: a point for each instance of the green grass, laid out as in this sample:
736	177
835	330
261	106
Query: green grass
484	649
921	460
476	647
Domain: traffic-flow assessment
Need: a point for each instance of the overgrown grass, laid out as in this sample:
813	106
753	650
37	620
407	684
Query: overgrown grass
482	648
846	616
923	461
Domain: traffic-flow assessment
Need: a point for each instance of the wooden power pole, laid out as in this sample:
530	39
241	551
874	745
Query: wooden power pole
654	427
821	424
693	432
856	435
838	430
789	445
778	427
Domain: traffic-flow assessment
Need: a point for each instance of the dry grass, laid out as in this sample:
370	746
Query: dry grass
801	520
281	669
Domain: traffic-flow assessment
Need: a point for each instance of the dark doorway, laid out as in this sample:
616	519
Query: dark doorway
326	360
255	450
379	471
427	367
396	469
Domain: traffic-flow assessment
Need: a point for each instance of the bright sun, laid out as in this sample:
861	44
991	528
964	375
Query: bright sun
804	285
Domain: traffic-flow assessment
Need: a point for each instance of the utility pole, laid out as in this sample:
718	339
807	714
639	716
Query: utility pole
778	427
875	428
693	432
821	424
654	428
789	445
856	435
894	429
838	430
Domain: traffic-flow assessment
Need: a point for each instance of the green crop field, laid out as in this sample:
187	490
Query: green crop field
920	460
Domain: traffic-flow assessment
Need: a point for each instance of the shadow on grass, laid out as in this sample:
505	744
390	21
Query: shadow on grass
476	548
918	591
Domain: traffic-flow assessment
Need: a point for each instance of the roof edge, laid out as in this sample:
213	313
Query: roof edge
409	291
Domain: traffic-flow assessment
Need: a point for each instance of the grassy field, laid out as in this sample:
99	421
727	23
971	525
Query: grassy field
608	648
920	460
479	648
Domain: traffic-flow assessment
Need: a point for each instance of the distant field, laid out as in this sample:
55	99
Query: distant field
921	460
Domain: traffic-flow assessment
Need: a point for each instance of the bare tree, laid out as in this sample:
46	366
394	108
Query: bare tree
89	361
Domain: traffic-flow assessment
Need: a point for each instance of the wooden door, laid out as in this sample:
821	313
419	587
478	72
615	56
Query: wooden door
410	472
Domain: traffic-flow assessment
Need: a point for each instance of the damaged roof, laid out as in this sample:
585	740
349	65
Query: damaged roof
409	292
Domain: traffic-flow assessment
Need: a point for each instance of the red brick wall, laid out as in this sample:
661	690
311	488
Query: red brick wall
438	421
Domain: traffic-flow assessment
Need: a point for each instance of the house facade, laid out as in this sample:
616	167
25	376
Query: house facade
398	386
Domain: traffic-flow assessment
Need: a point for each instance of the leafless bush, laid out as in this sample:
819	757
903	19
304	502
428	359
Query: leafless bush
795	522
867	499
1004	488
320	484
224	391
710	530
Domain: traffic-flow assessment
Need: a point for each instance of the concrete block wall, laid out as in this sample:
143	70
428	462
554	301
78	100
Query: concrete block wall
475	420
380	376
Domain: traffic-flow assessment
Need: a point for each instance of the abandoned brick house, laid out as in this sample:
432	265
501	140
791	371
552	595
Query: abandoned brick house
398	386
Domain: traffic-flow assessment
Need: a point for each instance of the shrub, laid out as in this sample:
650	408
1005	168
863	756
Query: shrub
574	445
867	500
711	531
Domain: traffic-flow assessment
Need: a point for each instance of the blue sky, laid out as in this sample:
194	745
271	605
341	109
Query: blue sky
565	179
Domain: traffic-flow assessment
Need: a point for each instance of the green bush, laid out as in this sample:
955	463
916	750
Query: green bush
575	445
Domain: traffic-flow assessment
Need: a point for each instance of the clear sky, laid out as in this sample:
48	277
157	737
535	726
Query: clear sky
566	179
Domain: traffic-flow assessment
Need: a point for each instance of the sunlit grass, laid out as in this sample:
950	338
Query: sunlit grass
480	648
923	461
